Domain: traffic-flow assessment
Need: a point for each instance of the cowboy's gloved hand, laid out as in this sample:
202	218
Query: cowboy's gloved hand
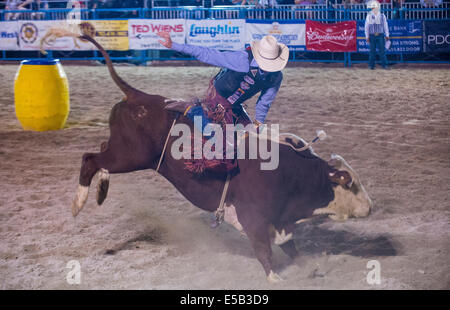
257	123
167	42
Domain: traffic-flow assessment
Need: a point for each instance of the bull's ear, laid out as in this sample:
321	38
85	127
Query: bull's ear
349	184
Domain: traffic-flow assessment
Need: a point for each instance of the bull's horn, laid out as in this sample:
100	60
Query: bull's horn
335	161
320	135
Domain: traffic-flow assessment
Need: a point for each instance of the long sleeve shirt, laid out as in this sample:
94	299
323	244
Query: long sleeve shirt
376	23
236	61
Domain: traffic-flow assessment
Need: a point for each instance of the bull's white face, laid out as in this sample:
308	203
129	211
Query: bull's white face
351	198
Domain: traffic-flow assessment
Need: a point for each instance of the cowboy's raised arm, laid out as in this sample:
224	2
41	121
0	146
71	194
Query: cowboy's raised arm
236	61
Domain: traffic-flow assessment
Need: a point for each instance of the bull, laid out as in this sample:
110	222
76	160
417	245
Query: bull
264	204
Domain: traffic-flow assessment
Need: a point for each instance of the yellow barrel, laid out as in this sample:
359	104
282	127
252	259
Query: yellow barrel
41	93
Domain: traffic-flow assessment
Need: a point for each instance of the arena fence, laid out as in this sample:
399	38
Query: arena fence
318	12
281	12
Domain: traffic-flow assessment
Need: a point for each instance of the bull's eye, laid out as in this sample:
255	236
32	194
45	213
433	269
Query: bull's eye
342	177
354	189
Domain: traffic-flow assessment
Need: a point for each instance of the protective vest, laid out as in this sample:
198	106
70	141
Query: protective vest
376	28
237	87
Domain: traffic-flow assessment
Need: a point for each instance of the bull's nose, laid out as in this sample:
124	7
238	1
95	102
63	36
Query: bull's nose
363	210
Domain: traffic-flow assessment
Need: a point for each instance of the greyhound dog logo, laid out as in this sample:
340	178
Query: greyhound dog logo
413	28
275	29
29	32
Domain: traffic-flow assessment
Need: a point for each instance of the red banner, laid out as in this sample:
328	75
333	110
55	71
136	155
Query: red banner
337	37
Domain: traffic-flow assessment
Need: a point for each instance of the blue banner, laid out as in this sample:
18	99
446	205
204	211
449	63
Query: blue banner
437	36
406	37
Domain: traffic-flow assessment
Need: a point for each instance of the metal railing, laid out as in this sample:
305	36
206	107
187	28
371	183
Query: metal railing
187	12
324	13
417	11
280	12
359	11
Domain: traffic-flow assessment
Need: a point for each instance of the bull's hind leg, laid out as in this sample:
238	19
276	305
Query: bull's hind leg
125	151
106	162
90	165
89	168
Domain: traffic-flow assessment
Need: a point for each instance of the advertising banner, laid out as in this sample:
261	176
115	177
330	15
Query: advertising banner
142	33
9	36
289	33
112	34
437	36
336	37
32	32
405	36
221	34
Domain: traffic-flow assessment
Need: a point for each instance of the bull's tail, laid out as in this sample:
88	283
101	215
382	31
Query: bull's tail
124	86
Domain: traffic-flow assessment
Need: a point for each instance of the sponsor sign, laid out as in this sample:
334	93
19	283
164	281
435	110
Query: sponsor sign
289	33
224	34
9	36
142	33
336	37
112	34
437	36
32	32
27	35
405	36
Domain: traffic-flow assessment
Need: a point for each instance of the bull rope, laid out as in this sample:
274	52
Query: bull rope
220	212
168	136
320	135
165	144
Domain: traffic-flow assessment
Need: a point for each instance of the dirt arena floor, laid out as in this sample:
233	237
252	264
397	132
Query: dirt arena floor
392	126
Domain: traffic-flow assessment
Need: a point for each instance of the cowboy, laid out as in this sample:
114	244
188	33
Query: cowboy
377	33
243	75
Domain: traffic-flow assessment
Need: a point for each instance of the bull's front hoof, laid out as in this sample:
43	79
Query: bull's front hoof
80	199
282	238
213	222
274	278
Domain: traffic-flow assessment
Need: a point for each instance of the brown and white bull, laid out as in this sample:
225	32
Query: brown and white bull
263	204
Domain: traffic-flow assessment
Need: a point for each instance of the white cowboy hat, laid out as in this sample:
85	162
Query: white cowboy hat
373	4
270	55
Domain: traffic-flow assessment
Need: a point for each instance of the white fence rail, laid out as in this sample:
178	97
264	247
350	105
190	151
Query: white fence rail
282	12
417	11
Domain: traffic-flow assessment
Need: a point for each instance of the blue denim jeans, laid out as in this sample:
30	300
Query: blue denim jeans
377	41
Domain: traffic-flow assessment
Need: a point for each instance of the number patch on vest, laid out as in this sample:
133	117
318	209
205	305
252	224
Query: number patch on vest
241	91
245	86
249	80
